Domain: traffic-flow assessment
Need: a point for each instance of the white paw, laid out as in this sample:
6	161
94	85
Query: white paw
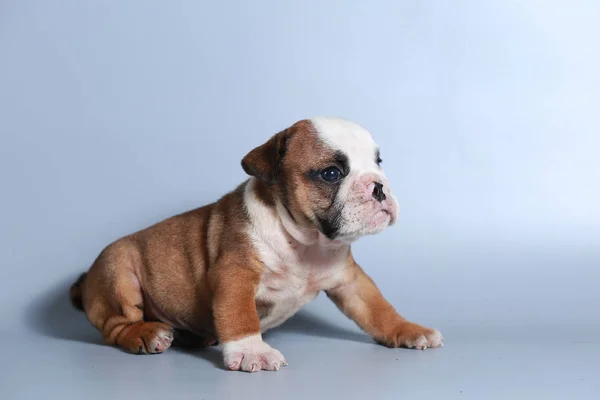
251	354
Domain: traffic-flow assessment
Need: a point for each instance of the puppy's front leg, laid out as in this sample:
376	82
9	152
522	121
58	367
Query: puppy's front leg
359	298
236	318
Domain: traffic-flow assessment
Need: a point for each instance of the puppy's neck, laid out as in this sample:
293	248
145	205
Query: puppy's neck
267	211
307	236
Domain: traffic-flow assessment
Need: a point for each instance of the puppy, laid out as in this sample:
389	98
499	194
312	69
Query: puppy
233	269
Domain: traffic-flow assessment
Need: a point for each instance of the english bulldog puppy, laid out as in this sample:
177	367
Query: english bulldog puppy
229	271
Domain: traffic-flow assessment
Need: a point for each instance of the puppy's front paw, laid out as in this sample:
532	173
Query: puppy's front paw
251	354
413	336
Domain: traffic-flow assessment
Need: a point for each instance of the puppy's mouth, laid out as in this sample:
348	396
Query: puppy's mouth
380	218
389	214
390	210
369	218
383	207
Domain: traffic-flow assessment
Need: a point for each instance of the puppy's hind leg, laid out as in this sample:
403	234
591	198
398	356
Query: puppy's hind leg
113	302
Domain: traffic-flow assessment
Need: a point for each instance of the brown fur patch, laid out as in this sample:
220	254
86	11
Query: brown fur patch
360	299
163	273
262	192
291	168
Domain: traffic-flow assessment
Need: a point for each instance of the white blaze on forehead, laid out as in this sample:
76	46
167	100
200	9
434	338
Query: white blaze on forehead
360	213
351	139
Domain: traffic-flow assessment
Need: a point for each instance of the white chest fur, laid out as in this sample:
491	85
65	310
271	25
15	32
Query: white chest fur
295	272
288	284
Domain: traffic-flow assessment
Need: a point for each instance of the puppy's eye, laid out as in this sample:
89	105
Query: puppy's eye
378	160
331	174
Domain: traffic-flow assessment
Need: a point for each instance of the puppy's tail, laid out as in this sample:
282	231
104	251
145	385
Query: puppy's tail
76	293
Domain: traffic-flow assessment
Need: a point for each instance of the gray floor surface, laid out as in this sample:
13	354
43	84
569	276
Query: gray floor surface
519	324
61	356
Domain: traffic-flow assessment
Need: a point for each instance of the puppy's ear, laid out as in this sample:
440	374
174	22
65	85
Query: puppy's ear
263	162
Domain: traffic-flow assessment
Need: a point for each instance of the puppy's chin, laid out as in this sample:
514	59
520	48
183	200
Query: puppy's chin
368	219
375	225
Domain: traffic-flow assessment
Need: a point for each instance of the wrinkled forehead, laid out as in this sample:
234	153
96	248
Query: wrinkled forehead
351	139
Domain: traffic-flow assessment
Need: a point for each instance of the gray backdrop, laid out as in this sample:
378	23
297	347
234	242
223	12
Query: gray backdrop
115	115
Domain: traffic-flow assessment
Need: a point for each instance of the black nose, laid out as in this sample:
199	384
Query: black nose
378	192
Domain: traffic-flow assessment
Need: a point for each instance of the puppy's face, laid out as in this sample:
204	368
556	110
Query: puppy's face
327	174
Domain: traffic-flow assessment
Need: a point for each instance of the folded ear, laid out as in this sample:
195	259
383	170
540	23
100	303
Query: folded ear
263	162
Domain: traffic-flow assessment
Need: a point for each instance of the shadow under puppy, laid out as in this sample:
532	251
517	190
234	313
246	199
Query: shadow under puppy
230	270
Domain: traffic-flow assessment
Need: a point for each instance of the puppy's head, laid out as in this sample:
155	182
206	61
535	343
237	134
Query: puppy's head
326	173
